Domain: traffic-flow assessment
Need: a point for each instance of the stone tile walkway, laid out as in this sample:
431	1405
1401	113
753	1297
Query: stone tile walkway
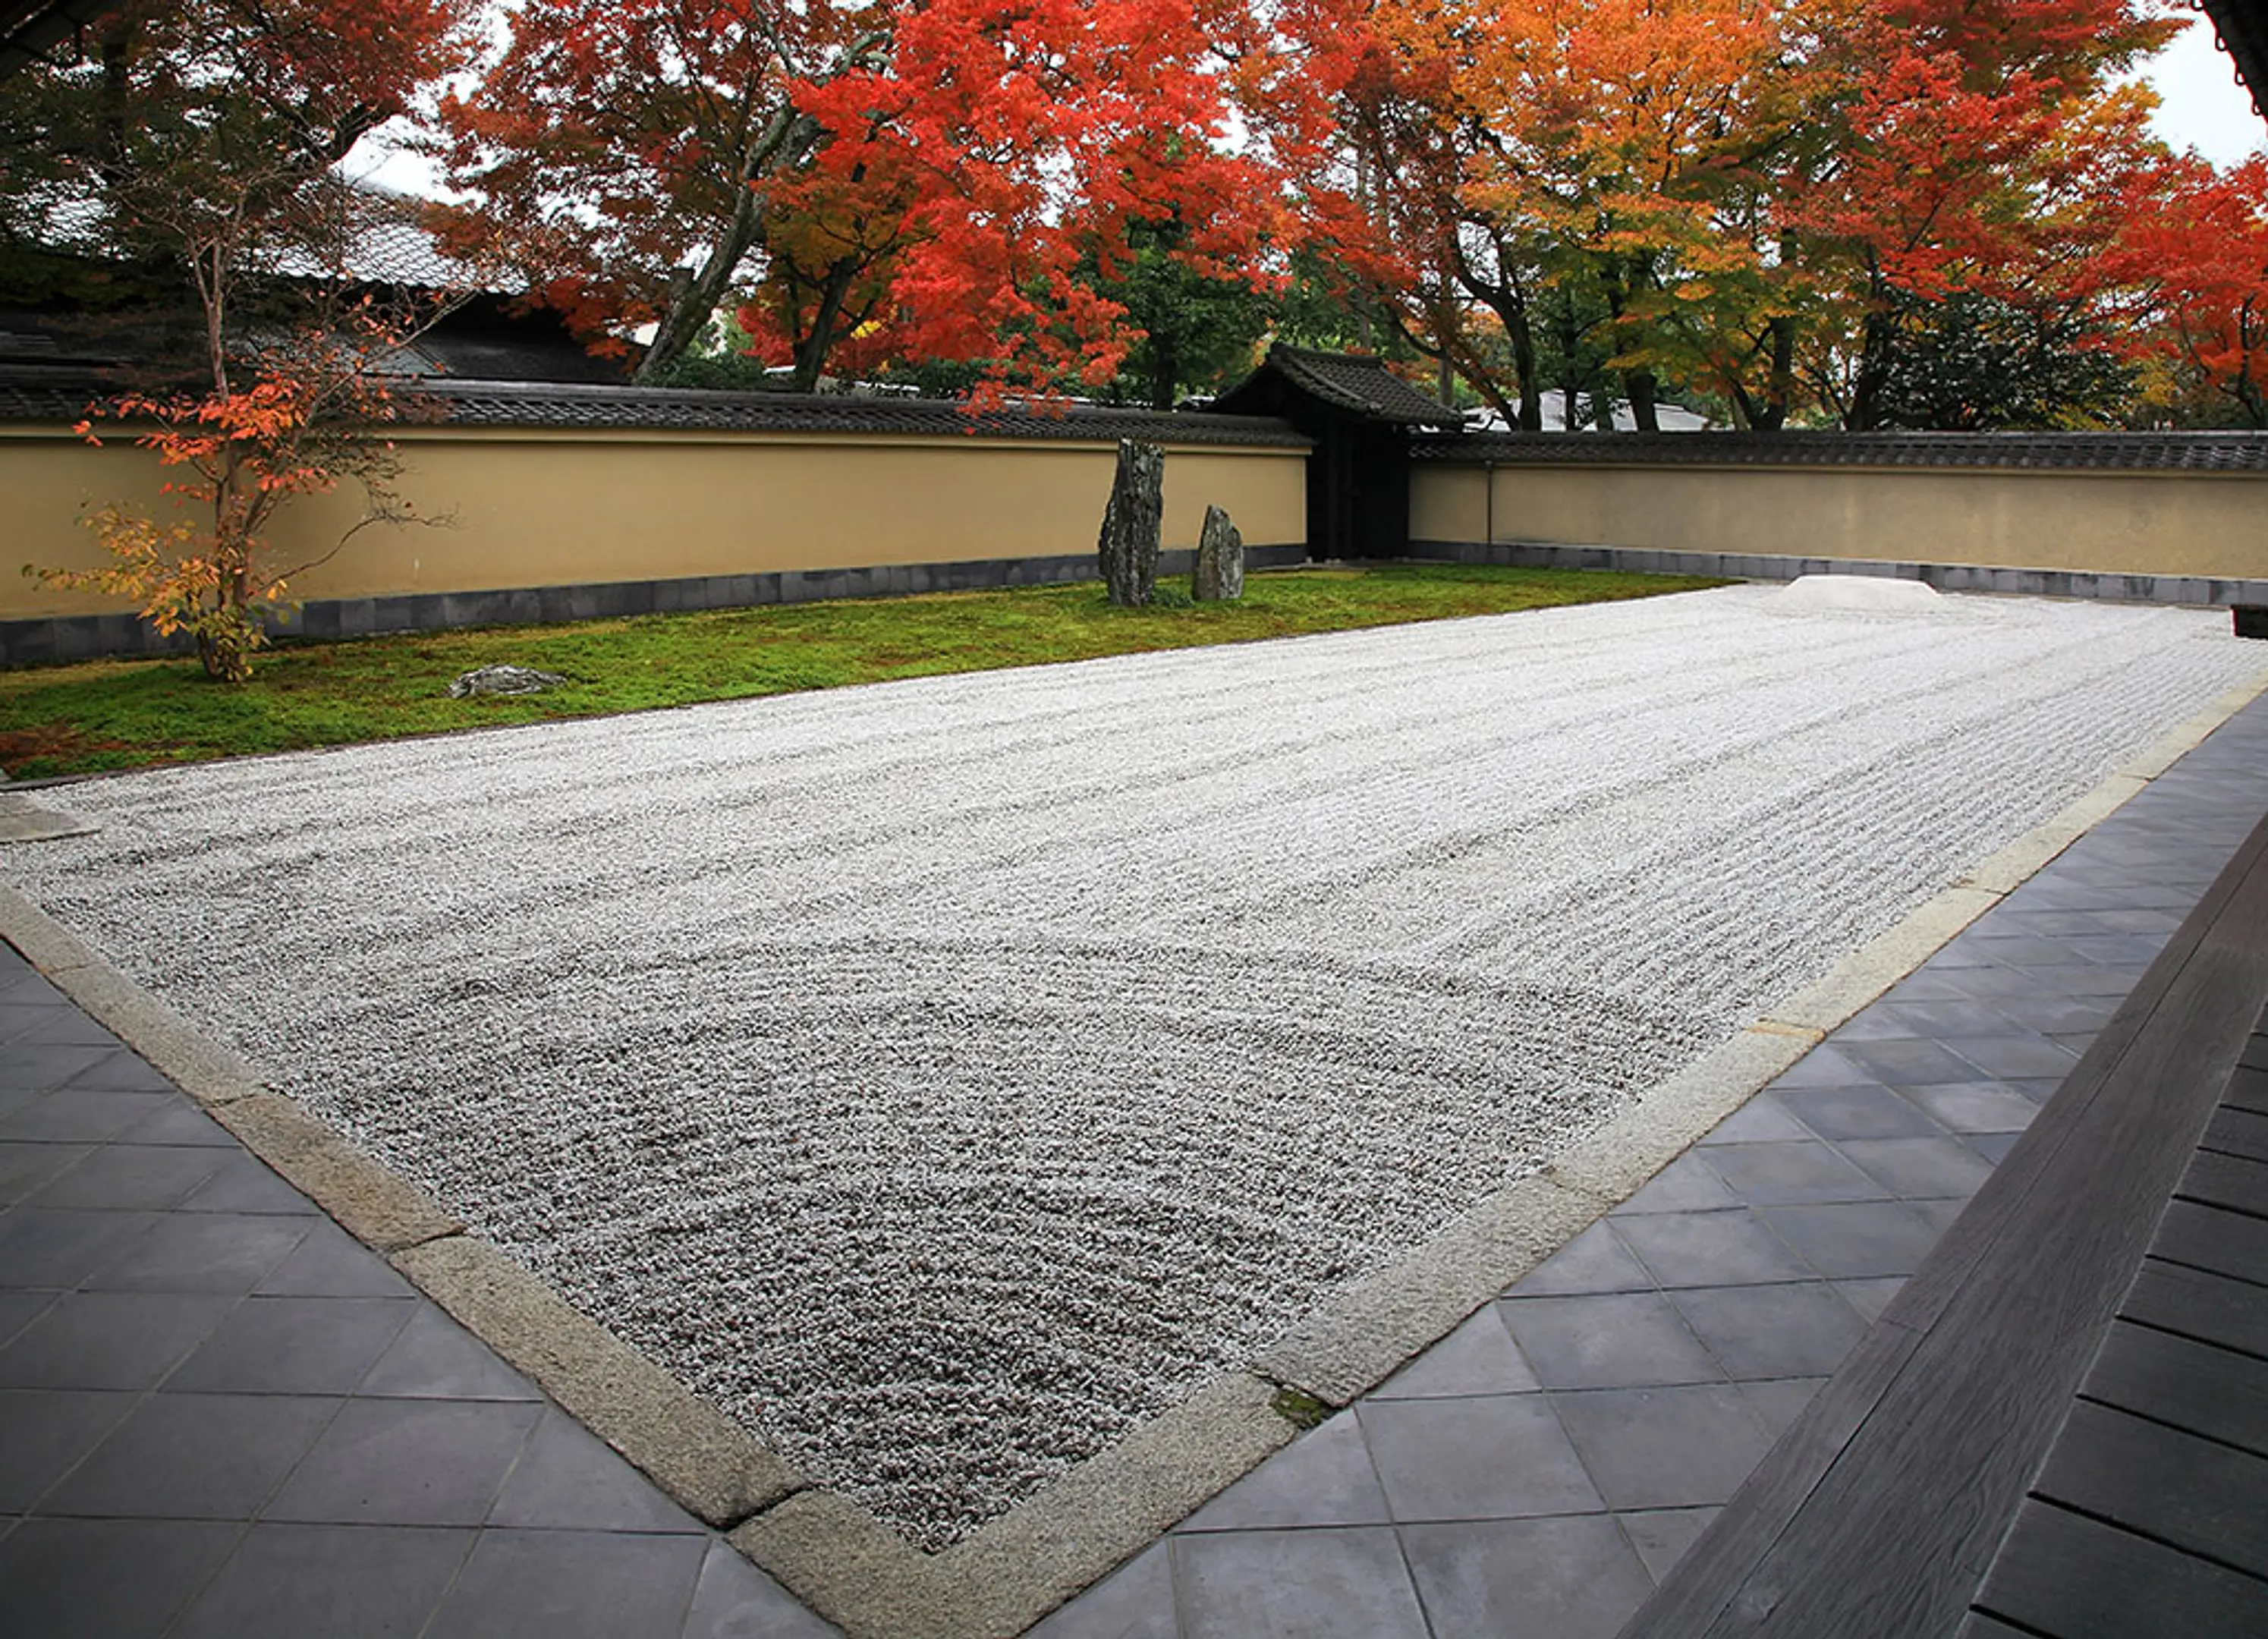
220	1415
1539	1470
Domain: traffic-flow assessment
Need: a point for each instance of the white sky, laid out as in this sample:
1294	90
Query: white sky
2202	107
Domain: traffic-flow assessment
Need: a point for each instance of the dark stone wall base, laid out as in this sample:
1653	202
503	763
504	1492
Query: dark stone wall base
97	636
2185	589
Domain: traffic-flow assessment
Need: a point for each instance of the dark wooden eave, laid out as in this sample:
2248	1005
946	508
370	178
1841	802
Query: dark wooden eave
2242	26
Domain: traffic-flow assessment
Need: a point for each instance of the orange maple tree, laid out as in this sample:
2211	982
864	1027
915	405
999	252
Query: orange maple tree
201	137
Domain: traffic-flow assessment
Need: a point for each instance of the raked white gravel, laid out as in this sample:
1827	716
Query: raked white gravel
940	1075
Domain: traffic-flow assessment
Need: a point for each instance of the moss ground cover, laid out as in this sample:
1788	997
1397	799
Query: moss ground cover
112	715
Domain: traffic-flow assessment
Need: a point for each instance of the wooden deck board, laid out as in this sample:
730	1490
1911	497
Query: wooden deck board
2183	1383
1886	1503
2077	1578
2190	1493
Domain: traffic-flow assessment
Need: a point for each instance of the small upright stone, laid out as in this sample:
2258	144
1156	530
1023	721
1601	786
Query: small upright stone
1129	546
1218	575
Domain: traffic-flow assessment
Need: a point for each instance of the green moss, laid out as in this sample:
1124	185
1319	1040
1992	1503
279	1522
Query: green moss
88	718
1300	1408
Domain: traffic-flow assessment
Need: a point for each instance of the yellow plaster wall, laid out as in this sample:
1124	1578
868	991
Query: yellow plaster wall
2135	523
547	508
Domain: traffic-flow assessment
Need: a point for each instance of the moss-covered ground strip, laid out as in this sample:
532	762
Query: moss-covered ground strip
112	714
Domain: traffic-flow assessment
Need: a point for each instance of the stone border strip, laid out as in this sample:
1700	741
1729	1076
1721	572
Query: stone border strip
840	1558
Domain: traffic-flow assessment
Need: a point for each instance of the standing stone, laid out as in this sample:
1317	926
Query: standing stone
1219	576
1129	546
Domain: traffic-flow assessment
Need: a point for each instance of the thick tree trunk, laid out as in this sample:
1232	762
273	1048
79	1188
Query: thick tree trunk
1643	388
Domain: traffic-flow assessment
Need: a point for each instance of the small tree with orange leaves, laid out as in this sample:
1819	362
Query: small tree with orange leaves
199	140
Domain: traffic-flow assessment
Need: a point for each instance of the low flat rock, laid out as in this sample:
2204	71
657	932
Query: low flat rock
23	819
1864	594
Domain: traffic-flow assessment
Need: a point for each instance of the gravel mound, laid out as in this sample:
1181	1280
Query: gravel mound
940	1077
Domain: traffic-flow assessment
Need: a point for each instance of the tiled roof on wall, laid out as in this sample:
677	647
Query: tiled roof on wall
1360	384
30	392
2128	452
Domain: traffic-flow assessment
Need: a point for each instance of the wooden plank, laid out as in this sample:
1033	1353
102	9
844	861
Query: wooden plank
2234	1244
2226	1180
2192	1494
2208	1390
2238	1133
1890	1533
2194	1303
2248	1089
2077	1578
1982	1627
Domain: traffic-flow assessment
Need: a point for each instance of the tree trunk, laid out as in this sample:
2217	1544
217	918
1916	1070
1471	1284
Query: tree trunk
812	348
786	141
1642	387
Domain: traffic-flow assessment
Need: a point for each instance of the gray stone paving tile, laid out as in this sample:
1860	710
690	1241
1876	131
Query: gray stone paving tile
46	1433
1575	1578
1851	1240
246	1184
18	1310
26	1167
122	1070
180	1122
68	1027
76	1117
1919	1169
196	1253
1783	1174
295	1345
1830	1064
569	1479
328	1263
1909	1064
1778	1401
1976	1107
1343	1583
61	1578
59	1247
1684	1447
194	1456
110	1340
1993	1147
1479	1357
1611	1340
1501	1457
2003	1056
1662	1535
1793	1331
2121	948
1989	982
408	1462
45	1066
1136	1601
1323	1478
1686	1185
339	1582
434	1358
2111	982
1867	1111
1595	1260
733	1599
1871	1296
1937	1020
1938	1215
2028	950
571	1585
1764	1119
1712	1249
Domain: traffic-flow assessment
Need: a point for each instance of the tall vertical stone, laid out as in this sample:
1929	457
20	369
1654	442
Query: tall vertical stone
1129	546
1219	572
